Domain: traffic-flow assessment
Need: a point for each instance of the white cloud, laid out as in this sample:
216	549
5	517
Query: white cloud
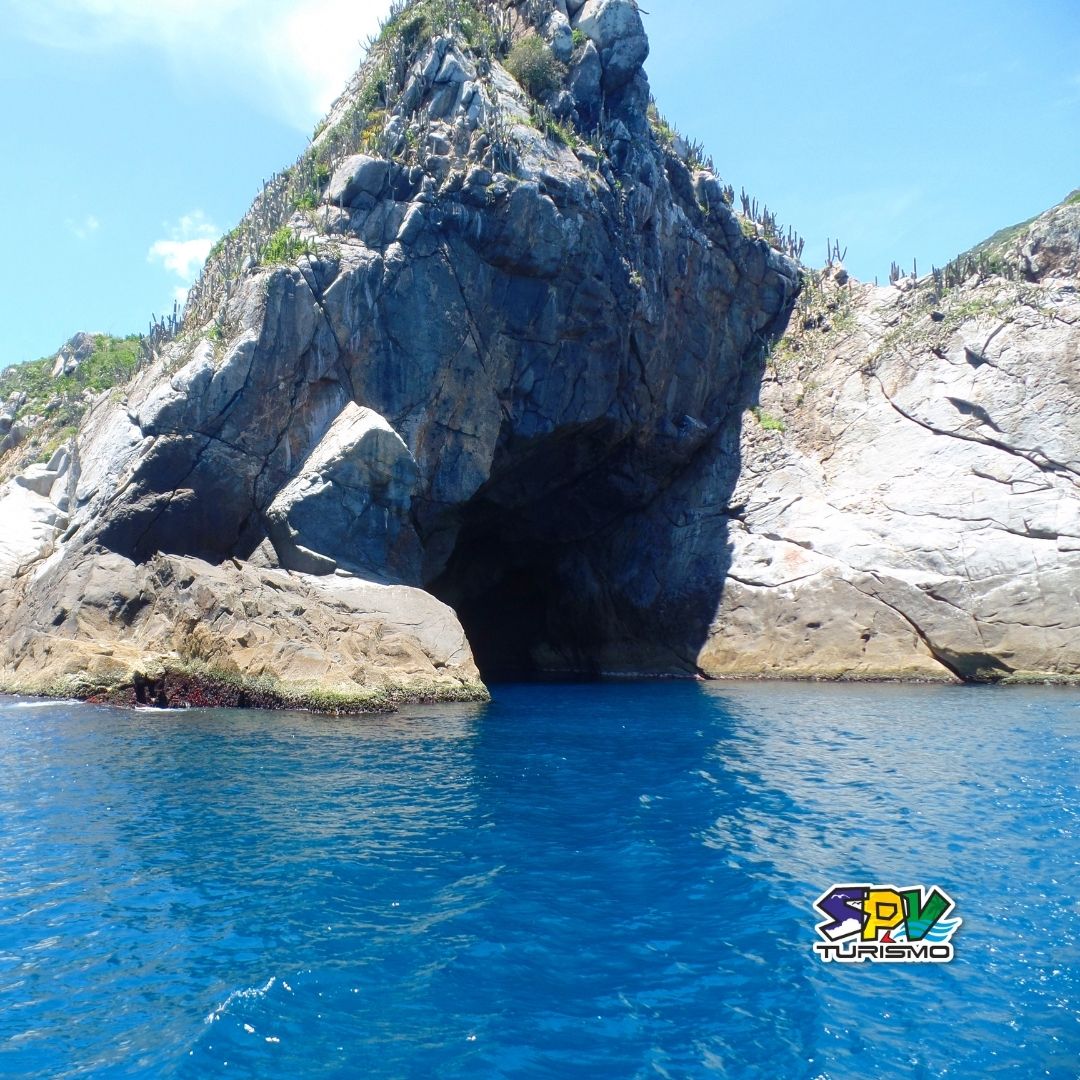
292	57
181	257
185	249
83	230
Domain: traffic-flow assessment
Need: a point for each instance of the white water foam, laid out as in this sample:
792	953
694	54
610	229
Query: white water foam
245	994
50	704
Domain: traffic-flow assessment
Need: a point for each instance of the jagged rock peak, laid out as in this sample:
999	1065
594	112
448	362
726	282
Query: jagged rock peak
1044	247
451	84
1047	246
72	353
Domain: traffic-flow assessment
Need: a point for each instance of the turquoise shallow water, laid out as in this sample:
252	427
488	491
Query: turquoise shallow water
602	880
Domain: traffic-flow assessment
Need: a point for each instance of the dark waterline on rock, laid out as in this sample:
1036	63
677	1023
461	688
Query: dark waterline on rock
597	879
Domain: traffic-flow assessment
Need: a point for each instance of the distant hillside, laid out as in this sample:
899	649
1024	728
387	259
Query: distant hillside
42	402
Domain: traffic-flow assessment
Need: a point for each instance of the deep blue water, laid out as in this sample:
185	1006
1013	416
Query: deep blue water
611	880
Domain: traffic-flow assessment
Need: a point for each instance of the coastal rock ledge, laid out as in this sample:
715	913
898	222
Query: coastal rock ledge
494	381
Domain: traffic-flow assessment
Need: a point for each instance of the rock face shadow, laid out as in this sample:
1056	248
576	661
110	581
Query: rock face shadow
576	585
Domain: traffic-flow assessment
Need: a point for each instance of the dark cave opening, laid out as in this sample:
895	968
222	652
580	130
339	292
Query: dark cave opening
580	607
510	593
589	554
522	575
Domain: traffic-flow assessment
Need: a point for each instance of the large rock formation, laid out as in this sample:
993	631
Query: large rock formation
908	501
481	344
486	357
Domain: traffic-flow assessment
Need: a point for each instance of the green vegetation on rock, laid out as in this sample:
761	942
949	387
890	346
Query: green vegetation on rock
283	247
111	363
767	421
997	255
563	133
51	408
415	24
668	136
534	66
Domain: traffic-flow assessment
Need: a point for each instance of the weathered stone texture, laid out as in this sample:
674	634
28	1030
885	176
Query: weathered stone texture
474	353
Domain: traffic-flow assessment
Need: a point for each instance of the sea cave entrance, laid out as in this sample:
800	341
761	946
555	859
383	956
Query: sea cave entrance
573	562
516	596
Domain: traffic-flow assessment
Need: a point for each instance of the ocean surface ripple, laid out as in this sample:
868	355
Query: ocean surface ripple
595	880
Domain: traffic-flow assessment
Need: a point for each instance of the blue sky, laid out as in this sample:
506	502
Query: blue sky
135	132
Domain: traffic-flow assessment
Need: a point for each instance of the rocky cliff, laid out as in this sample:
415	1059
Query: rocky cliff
457	355
908	499
494	380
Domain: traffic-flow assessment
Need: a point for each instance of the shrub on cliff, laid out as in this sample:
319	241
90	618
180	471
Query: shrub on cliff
534	66
283	247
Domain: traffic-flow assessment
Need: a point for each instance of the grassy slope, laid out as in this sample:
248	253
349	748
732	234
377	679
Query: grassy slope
1005	236
61	402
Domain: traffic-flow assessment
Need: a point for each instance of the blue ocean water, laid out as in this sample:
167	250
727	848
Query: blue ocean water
596	880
